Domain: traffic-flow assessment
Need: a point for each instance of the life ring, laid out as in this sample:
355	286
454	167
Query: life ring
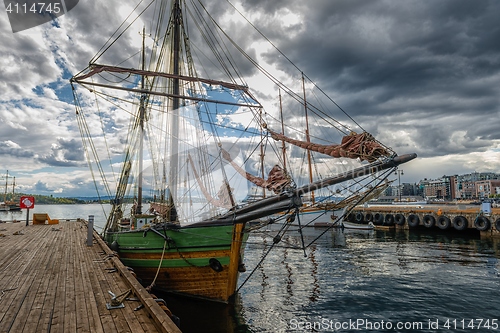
460	223
443	222
429	221
413	220
482	223
497	224
359	217
399	219
389	220
378	219
368	217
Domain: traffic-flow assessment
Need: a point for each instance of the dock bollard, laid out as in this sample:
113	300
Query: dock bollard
90	231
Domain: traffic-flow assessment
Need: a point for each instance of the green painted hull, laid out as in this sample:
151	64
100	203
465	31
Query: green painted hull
179	260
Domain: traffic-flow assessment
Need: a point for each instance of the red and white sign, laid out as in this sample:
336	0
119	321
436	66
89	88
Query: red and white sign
27	202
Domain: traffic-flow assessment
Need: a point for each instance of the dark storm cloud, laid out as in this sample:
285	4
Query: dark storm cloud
382	60
422	76
67	152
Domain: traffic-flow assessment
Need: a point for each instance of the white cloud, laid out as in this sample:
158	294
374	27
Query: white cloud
421	79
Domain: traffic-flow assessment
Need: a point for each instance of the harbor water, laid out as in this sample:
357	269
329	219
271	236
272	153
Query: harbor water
348	281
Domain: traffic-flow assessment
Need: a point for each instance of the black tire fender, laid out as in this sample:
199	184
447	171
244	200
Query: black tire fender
443	222
482	223
359	217
460	223
368	217
389	220
399	219
350	217
413	220
378	219
429	221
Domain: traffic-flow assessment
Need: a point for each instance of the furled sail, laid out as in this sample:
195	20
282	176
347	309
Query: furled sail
362	146
277	181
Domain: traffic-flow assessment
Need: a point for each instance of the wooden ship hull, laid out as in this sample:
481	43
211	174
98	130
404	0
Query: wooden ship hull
202	262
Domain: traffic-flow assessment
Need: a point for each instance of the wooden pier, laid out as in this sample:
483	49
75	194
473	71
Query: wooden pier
443	217
52	281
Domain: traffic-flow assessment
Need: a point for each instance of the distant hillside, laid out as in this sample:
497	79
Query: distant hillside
51	200
46	199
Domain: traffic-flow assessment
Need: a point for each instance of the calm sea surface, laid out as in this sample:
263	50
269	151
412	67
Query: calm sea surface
349	282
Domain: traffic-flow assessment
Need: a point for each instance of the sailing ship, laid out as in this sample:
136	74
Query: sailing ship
9	204
197	138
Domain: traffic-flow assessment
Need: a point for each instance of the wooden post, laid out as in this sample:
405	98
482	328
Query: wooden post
27	216
90	230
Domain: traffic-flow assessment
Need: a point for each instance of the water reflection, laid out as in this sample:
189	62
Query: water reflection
377	275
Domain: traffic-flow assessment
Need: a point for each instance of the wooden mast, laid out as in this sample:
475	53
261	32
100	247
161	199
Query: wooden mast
283	147
138	208
262	153
6	185
174	122
308	139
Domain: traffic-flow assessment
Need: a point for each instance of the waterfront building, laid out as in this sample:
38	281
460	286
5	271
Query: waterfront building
438	189
466	186
486	188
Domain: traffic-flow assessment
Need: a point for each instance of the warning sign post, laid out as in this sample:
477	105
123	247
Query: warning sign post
27	202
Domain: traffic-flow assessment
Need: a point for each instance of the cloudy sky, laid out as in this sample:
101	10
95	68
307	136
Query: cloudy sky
421	76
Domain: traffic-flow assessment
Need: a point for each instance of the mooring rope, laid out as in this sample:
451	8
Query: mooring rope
159	266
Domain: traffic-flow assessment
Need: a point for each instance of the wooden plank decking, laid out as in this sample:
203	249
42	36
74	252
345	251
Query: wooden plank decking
51	281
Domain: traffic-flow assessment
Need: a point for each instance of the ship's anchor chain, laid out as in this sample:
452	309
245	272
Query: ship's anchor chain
117	300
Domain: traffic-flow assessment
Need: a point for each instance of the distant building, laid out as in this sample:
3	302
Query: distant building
485	188
407	190
466	185
438	189
469	186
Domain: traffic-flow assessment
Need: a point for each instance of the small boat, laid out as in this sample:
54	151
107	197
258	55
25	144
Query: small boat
358	226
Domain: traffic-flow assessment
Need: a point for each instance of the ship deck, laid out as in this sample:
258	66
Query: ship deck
52	281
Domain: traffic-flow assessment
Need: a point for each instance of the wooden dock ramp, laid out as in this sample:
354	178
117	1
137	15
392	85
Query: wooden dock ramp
51	281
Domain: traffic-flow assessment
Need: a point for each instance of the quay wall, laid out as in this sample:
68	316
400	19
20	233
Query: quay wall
437	217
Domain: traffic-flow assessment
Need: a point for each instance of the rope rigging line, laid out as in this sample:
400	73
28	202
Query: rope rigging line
103	132
382	178
103	49
276	240
87	143
291	62
215	44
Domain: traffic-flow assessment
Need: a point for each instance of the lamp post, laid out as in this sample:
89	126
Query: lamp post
399	173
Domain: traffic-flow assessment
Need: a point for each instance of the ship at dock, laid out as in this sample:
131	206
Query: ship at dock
197	137
9	204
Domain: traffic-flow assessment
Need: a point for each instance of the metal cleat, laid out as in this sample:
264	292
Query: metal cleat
117	300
